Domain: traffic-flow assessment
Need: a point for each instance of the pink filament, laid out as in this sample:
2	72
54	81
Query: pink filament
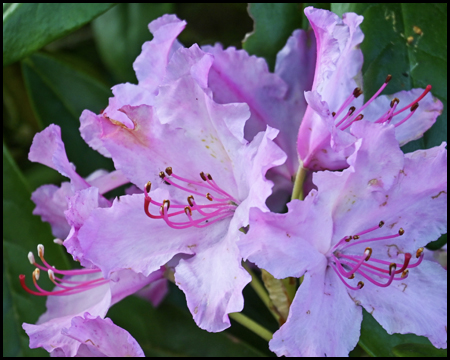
220	208
359	265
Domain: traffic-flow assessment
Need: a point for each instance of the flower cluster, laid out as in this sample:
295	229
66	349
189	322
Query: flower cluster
211	142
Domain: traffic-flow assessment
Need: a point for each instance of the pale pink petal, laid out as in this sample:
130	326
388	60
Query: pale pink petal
154	292
323	320
321	145
150	65
60	311
292	245
417	304
339	58
213	281
102	337
48	149
91	131
51	202
126	94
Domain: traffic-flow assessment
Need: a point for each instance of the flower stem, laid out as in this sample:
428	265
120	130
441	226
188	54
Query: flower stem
261	291
252	325
297	193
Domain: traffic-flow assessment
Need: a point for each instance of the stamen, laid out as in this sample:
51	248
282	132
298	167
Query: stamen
426	91
419	252
223	204
413	110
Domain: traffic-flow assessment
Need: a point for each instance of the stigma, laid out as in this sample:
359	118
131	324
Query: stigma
63	285
219	205
379	272
344	117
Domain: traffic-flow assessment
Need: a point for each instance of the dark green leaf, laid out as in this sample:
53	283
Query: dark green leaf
27	27
409	42
418	350
120	33
273	24
59	93
436	245
377	342
170	331
22	232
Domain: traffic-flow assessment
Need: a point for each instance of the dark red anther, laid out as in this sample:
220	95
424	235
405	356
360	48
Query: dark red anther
355	237
188	209
148	186
392	268
357	92
381	224
414	107
209	176
388	78
401	231
348	238
351	110
419	252
202	175
190	200
395	100
209	197
360	284
333	114
162	175
169	170
359	117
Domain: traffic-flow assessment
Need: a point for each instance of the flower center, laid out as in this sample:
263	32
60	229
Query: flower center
353	115
379	272
68	287
222	204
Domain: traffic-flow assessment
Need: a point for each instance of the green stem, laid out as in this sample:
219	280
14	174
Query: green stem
297	193
251	325
261	291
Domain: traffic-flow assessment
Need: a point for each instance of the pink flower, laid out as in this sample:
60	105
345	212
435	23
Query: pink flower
334	102
79	292
196	208
358	241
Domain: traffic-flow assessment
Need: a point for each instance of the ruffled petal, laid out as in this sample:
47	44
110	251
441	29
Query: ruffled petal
60	310
272	237
417	304
150	65
213	281
51	202
101	337
48	149
323	320
339	58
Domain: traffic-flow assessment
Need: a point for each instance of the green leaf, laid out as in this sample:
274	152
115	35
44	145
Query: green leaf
59	93
273	24
170	331
409	42
418	350
28	27
120	33
377	342
22	232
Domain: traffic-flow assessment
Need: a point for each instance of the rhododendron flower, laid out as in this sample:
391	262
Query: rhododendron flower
334	102
358	241
78	292
212	177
